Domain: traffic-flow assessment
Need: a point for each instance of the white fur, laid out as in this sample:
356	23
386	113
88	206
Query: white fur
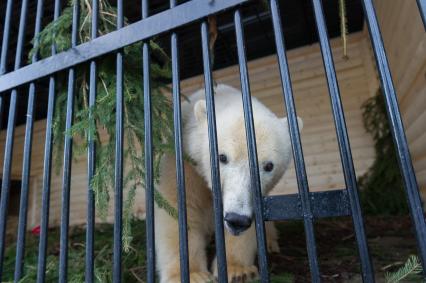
273	145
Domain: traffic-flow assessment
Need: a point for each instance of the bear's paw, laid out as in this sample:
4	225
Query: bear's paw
241	274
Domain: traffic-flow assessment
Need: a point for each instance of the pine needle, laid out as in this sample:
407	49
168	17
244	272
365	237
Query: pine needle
89	121
412	267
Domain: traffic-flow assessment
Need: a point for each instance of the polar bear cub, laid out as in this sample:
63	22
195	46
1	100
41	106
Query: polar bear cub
274	155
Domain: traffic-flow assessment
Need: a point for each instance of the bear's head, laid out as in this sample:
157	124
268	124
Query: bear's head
273	151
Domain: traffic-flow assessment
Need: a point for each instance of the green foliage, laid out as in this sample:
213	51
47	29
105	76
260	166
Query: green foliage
98	123
410	271
134	261
381	187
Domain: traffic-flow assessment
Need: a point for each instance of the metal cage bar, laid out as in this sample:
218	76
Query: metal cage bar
214	156
20	248
6	33
68	142
47	166
299	162
118	192
149	172
147	28
1	110
422	8
397	129
26	166
323	204
304	206
343	141
91	158
8	151
180	172
252	150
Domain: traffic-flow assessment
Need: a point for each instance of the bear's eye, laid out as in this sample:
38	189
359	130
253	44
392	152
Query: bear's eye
223	158
269	166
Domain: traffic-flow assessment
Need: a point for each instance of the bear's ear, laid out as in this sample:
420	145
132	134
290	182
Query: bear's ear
299	122
200	110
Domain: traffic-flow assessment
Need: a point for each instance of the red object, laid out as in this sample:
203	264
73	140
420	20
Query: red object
36	230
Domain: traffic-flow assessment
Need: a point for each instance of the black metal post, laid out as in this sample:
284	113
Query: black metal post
180	172
91	159
397	128
344	146
66	178
299	162
118	193
47	169
422	8
214	156
6	33
8	151
252	151
149	173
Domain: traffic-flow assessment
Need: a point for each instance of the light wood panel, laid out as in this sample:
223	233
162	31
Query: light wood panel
313	105
405	42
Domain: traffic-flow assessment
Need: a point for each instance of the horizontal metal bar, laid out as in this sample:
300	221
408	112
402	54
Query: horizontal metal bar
323	204
162	22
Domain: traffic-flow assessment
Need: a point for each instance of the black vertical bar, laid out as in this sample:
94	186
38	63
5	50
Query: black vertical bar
397	128
5	187
344	145
66	177
180	174
8	151
20	249
118	194
26	166
252	150
47	166
1	110
6	32
214	155
149	179
422	8
299	161
91	158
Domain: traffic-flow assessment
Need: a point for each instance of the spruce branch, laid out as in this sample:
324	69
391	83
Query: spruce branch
90	122
411	269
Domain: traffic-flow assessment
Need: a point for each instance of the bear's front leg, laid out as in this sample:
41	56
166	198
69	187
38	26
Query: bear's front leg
168	255
240	255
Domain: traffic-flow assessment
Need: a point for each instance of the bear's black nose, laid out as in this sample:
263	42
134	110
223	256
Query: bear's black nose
237	223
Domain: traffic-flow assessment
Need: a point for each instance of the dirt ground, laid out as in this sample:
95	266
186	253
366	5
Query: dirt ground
390	239
391	242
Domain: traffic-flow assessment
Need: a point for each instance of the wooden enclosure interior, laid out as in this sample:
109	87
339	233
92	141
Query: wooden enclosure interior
406	46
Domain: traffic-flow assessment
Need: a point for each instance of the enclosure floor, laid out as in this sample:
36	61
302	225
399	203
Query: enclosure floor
390	239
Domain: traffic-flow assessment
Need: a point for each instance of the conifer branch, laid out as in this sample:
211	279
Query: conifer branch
90	121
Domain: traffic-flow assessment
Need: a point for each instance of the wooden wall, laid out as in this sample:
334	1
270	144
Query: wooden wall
405	42
357	83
